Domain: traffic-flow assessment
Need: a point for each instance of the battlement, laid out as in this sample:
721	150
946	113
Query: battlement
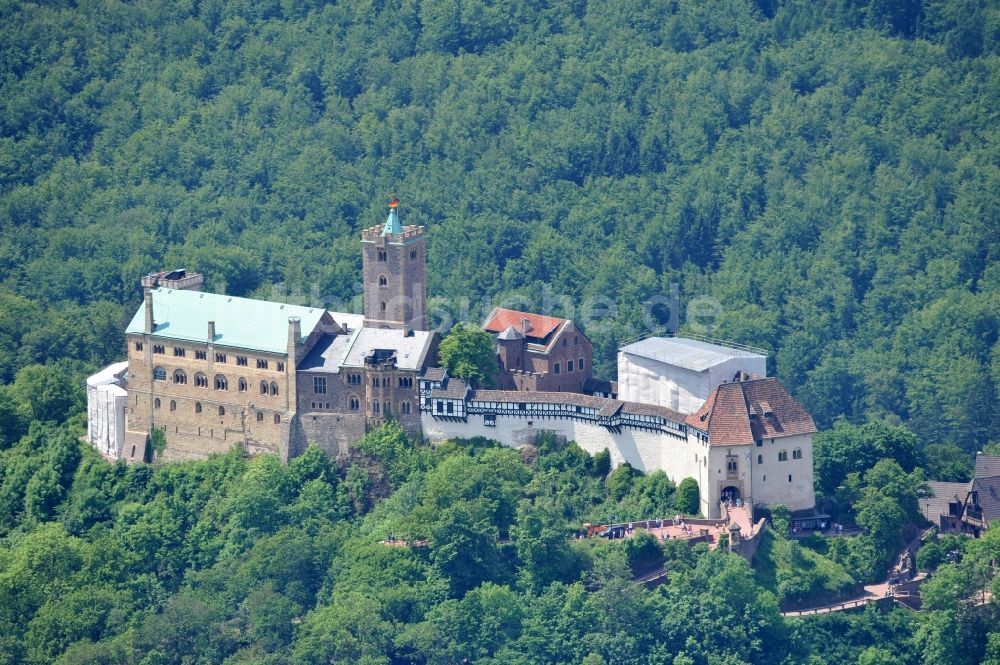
174	279
376	234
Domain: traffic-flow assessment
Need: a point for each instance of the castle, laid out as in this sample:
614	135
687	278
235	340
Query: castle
211	370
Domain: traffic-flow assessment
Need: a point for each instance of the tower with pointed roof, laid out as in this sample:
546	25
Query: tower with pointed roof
395	274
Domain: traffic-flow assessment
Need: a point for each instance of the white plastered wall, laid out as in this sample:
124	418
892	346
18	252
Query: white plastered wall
645	450
770	484
650	381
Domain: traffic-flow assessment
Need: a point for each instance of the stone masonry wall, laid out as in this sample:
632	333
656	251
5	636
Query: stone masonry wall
246	415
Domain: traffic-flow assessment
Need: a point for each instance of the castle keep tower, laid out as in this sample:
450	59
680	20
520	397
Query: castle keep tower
395	274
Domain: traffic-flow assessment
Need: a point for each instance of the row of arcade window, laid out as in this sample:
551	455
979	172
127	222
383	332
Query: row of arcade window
222	410
319	382
221	382
354	404
242	361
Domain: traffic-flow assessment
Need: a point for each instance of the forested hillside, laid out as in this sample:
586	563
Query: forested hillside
232	560
828	171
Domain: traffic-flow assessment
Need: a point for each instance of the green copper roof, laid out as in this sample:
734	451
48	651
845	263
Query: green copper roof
239	322
392	224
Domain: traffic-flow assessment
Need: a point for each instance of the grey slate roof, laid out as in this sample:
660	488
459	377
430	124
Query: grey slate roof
411	351
240	323
987	466
988	492
691	354
942	494
510	334
453	389
335	351
433	374
576	399
328	354
592	385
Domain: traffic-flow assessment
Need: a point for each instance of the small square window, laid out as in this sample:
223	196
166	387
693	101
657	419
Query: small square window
281	367
138	346
241	360
178	352
220	357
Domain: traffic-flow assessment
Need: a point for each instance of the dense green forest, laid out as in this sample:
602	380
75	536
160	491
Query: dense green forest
248	561
826	171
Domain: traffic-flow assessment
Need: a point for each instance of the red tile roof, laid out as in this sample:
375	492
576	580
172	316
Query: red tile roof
734	413
540	325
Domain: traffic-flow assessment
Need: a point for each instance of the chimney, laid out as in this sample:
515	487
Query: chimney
147	295
211	331
525	326
294	335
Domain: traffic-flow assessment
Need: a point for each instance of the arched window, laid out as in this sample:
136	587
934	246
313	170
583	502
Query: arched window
277	419
159	374
201	380
413	254
263	387
243	385
386	408
260	416
222	410
382	281
381	255
354	403
760	459
221	383
197	407
797	453
180	377
375	407
173	405
156	403
382	305
274	389
782	455
404	407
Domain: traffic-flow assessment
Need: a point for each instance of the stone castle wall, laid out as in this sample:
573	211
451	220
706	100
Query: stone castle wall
246	415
